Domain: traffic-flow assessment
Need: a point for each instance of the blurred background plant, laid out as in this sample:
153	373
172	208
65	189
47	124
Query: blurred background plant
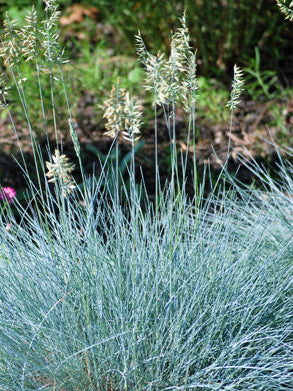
261	83
222	30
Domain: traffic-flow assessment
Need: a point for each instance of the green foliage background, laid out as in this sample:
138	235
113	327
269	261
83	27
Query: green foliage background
223	30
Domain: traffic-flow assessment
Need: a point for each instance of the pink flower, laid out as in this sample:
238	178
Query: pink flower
7	193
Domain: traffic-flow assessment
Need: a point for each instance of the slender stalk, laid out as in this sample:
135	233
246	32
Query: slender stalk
42	99
74	135
195	176
157	186
230	132
157	175
175	148
52	82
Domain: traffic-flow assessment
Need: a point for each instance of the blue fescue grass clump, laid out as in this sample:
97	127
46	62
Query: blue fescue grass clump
103	292
202	300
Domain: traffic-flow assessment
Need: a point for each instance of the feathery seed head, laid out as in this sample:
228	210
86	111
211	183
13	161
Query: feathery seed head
50	5
190	84
12	44
179	65
60	170
53	50
143	54
113	111
31	36
122	114
237	87
184	32
174	68
166	78
155	77
154	65
132	119
180	47
33	40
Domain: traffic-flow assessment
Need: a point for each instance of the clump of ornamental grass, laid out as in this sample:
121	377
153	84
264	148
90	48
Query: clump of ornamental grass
196	301
176	296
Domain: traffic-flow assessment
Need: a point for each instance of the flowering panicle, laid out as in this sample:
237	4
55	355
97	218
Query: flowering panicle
11	44
190	81
154	65
170	79
175	66
113	111
286	10
180	48
60	170
184	35
132	119
171	87
52	7
154	77
143	53
237	87
34	40
30	36
190	84
53	50
122	114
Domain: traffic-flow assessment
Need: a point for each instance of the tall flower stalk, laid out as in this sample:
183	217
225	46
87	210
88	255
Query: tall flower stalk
171	80
153	81
124	119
